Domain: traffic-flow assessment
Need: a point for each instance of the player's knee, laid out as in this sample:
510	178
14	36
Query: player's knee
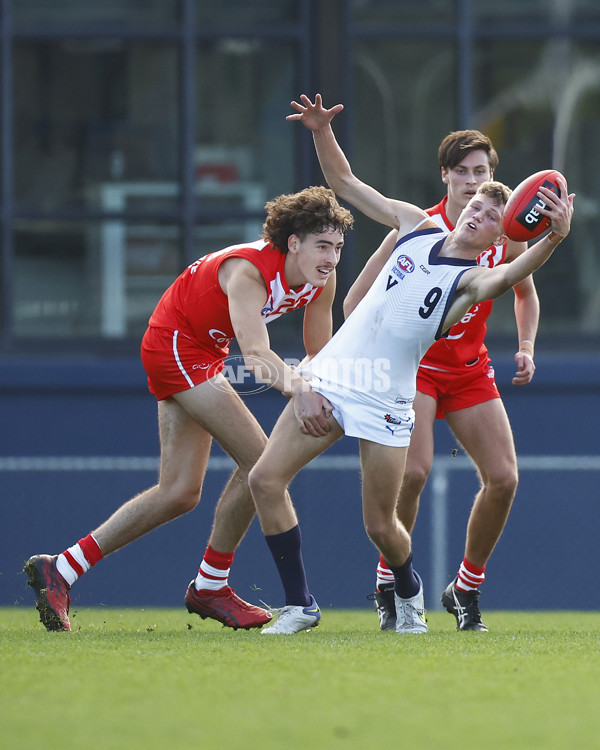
263	482
382	532
247	460
505	484
414	480
182	500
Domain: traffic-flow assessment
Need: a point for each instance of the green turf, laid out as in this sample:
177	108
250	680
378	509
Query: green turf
129	679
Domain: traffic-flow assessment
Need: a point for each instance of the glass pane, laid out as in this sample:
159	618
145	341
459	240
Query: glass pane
536	11
211	236
404	104
407	11
90	113
244	147
142	13
99	279
540	104
246	14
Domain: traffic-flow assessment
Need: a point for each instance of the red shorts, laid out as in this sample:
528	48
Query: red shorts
174	363
454	392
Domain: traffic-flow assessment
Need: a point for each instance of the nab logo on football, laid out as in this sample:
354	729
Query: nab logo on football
405	264
530	217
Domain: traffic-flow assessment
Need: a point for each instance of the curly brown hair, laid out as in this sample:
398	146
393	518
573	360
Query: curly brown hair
312	210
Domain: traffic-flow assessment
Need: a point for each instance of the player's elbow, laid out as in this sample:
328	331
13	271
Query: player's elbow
256	362
348	304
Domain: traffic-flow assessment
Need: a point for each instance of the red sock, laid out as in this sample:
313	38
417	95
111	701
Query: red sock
78	559
214	570
470	577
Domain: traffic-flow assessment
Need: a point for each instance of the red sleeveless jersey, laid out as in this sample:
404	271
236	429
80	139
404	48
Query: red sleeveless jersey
464	343
196	305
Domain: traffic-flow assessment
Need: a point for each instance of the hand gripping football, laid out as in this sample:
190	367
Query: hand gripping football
521	220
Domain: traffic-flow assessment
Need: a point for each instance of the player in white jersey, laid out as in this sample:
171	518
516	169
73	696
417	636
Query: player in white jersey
381	326
402	314
455	382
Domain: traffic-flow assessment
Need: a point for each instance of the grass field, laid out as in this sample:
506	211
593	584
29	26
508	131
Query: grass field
129	679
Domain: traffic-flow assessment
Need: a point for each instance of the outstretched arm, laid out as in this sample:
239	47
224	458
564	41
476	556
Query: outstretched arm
339	176
480	284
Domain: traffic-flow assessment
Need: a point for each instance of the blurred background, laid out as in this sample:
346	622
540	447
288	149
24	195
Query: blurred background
138	135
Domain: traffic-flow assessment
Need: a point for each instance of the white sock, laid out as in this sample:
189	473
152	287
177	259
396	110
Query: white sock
211	578
384	575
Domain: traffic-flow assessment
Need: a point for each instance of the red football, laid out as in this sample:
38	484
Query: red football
521	220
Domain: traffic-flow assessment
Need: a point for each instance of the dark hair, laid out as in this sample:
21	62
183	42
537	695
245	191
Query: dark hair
456	145
312	210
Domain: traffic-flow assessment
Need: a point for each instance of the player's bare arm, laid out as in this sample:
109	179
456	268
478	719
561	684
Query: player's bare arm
318	319
478	284
338	173
245	289
527	315
369	272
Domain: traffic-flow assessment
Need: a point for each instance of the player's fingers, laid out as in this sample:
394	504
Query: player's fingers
319	426
303	428
549	196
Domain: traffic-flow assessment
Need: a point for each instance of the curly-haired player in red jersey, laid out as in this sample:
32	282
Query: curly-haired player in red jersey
456	381
231	293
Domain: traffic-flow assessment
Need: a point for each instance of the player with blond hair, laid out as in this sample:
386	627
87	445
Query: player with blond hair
427	284
456	382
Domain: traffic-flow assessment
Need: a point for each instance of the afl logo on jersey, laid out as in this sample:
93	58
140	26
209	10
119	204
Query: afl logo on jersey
405	264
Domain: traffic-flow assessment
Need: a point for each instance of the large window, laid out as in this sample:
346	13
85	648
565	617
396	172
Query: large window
421	70
138	135
144	134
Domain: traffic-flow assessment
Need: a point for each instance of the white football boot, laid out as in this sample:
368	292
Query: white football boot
293	619
410	613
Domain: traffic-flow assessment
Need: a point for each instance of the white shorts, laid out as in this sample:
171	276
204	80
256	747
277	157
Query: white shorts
374	421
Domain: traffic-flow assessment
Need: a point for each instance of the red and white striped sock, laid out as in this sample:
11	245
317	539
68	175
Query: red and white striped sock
470	577
214	570
78	559
384	574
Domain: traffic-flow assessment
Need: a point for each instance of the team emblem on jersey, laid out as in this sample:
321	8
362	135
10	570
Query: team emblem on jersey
405	264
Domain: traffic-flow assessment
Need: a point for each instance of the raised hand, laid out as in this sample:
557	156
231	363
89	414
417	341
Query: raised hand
314	116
